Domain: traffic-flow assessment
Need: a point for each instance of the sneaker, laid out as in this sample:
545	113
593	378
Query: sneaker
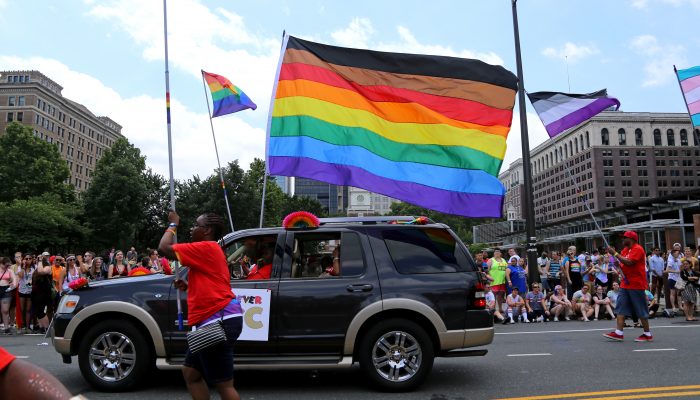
567	318
525	320
644	338
595	319
512	321
540	319
614	336
556	319
505	321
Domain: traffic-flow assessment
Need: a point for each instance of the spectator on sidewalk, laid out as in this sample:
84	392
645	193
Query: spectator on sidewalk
656	267
8	284
601	302
543	269
588	273
516	307
536	307
600	270
689	277
673	269
497	272
582	304
555	277
516	275
132	257
559	304
612	294
24	276
118	268
491	303
573	270
73	272
85	262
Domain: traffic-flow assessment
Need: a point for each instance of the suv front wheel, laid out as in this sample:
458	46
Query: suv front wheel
396	355
114	356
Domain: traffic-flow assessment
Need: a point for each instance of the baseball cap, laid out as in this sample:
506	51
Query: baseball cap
46	253
631	235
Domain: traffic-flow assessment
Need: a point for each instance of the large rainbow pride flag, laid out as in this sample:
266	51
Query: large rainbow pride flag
427	130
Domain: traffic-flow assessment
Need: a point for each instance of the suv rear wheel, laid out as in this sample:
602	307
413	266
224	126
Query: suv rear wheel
114	356
396	355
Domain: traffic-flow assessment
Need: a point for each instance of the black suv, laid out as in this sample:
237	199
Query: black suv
404	295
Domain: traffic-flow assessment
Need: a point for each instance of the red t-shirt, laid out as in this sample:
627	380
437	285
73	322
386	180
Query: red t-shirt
209	287
636	273
5	359
263	272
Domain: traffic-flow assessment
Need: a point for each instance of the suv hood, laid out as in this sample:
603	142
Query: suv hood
130	280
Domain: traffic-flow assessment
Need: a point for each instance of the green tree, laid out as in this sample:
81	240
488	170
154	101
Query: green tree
40	223
114	203
31	167
154	210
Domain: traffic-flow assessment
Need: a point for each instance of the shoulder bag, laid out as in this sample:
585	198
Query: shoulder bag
207	336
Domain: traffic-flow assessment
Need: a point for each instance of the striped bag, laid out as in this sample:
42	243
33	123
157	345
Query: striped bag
206	336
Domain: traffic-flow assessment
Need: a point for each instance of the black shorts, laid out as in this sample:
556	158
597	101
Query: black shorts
216	362
25	295
41	301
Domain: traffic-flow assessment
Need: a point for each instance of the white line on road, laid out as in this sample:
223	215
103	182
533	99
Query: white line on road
22	357
591	330
529	355
656	350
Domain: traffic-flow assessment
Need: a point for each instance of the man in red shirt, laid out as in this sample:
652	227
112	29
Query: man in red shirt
631	301
209	300
263	269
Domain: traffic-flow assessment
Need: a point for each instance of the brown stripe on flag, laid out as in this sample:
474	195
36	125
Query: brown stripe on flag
484	93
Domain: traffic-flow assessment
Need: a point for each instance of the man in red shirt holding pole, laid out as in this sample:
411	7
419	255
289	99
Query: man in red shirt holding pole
631	301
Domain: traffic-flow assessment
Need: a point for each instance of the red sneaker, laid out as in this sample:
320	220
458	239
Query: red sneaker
614	336
644	338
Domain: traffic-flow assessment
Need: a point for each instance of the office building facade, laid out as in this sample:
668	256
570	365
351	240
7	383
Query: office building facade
364	203
332	197
31	98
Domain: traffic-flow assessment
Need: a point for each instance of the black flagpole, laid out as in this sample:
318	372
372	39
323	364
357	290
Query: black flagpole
528	203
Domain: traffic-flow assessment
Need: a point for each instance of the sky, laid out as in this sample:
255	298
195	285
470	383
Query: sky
109	56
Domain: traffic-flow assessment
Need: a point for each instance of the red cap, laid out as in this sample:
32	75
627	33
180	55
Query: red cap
632	235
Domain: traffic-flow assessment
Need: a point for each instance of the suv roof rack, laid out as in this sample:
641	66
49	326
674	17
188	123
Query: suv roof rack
369	220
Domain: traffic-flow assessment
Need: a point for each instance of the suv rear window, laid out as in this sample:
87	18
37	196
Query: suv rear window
425	251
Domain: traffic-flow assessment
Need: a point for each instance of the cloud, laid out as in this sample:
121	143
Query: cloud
536	136
356	34
360	30
644	4
660	58
198	38
571	51
193	148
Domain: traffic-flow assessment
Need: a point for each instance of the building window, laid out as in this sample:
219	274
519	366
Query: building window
20	101
641	163
643	172
643	193
20	116
625	172
11	101
576	144
657	137
622	137
605	137
588	140
638	138
10	117
670	138
624	163
684	137
696	137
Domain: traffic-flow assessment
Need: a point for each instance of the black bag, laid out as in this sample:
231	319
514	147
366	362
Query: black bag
207	336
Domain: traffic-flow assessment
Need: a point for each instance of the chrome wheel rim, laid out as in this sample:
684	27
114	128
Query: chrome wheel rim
397	356
112	356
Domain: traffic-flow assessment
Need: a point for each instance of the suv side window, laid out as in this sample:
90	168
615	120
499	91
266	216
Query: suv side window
327	255
245	254
425	251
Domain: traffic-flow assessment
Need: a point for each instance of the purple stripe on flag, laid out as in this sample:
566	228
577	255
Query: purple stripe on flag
690	83
465	204
575	118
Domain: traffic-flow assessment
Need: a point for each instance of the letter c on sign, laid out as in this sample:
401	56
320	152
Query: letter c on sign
250	320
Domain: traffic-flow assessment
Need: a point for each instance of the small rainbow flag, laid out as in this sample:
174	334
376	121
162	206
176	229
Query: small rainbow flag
227	97
689	79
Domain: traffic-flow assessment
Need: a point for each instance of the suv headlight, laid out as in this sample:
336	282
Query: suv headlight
68	304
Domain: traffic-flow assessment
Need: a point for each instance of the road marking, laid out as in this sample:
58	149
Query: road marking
656	350
647	396
22	357
529	355
621	391
590	330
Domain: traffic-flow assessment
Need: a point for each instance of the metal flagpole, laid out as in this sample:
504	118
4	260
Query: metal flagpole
262	206
180	325
528	201
216	149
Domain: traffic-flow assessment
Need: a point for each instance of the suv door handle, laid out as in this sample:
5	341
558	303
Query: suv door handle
366	287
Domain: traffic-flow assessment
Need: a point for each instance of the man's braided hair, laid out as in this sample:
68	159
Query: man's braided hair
216	223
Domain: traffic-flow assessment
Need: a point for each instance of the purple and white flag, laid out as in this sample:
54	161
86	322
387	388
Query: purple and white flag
561	111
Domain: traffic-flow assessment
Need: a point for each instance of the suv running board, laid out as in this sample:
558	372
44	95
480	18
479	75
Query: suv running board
464	353
265	363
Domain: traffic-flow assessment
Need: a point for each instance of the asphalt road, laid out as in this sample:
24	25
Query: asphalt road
552	360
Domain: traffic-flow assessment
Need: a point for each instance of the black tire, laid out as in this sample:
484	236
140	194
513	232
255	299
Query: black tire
122	352
406	370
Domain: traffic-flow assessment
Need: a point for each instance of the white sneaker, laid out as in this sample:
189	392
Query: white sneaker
567	318
527	321
556	319
540	318
511	321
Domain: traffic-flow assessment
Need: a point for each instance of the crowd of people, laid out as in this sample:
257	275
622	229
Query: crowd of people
31	286
585	285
